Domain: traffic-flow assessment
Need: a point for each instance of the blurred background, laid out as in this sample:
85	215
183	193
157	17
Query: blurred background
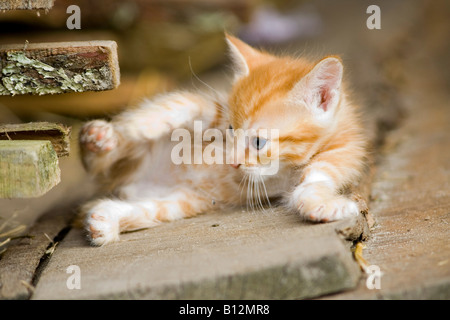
168	44
162	43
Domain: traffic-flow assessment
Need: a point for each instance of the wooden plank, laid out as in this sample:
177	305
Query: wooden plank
221	255
27	168
31	252
57	134
26	4
88	104
59	67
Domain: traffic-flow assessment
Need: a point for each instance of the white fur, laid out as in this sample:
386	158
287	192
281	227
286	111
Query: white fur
316	202
318	176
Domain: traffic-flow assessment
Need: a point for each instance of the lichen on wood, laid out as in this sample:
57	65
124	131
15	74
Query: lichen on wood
22	75
26	4
52	69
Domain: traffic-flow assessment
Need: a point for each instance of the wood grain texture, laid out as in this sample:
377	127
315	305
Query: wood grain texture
222	255
19	264
27	168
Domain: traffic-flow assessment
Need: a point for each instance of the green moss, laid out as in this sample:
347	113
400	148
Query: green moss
22	75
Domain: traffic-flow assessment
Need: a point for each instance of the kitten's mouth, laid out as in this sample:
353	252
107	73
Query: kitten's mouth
246	167
249	169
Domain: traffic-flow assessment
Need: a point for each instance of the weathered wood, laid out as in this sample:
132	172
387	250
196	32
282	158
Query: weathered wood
130	92
221	255
26	4
60	67
57	134
27	168
30	252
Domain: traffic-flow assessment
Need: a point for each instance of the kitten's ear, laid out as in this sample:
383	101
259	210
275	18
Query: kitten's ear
243	55
320	88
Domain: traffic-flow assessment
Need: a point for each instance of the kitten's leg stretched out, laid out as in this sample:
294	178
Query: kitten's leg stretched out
104	143
317	197
107	218
160	116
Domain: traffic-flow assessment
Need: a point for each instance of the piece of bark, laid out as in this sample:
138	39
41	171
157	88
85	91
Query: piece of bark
59	67
57	134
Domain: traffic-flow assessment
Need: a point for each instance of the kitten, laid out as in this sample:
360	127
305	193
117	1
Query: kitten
320	148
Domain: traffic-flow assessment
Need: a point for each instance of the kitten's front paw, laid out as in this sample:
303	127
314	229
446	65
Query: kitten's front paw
325	210
323	207
98	136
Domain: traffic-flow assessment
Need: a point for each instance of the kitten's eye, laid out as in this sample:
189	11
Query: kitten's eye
230	131
259	143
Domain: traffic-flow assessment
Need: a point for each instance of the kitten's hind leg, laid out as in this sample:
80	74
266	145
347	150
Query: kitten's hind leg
106	218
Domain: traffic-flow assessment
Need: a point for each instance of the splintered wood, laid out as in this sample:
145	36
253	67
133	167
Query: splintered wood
60	67
57	134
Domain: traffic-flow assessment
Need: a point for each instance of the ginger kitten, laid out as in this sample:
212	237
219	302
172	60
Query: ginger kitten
319	148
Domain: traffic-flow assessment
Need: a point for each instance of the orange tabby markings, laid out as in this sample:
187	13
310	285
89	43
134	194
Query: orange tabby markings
321	148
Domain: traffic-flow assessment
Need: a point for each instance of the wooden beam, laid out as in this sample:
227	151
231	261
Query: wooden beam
57	134
26	4
59	67
27	168
93	104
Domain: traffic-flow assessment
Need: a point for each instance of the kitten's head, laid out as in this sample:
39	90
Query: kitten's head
295	100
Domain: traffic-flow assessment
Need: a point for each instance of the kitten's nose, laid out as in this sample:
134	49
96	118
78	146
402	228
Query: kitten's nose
235	165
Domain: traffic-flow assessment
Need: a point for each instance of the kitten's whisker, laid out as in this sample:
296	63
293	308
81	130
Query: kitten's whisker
241	186
217	93
251	193
267	196
259	195
248	192
252	199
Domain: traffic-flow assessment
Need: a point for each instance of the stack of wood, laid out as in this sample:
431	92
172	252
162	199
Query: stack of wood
161	43
29	152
